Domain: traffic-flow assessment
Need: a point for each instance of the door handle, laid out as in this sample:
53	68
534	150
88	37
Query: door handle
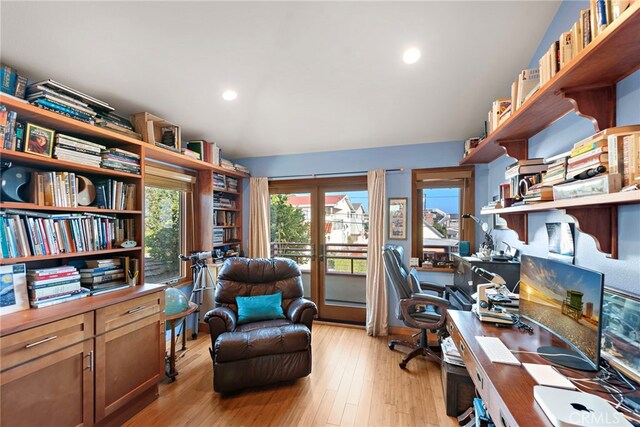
321	255
312	250
91	361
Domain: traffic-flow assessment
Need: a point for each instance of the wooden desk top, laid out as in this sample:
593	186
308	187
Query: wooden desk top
509	389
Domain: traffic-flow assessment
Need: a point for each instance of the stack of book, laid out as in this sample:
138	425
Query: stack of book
218	236
587	155
472	143
242	169
232	184
219	182
227	164
450	353
223	202
556	169
116	123
117	195
120	160
103	275
498	108
29	233
76	150
537	193
190	153
521	169
11	131
49	286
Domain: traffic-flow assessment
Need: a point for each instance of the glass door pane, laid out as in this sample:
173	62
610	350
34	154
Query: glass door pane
291	216
344	238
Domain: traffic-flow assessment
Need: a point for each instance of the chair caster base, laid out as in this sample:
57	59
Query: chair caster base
391	346
403	365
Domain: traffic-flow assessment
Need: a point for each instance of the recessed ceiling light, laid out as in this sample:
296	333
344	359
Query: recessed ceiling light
411	55
229	95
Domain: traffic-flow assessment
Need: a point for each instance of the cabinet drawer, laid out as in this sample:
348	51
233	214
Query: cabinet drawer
123	313
22	347
475	372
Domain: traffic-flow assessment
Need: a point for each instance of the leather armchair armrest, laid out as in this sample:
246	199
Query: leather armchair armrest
407	304
302	311
220	320
428	286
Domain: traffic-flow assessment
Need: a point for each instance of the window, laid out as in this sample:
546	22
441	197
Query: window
441	196
168	221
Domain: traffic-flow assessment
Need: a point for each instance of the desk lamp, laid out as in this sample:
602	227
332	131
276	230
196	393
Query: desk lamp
488	240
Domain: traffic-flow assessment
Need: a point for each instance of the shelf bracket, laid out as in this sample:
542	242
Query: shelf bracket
518	222
516	148
596	103
601	223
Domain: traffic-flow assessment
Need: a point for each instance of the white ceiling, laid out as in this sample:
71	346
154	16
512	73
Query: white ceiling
311	76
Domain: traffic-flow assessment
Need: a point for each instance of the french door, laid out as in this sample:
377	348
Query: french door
323	225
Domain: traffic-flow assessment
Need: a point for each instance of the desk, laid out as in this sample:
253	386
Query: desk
506	390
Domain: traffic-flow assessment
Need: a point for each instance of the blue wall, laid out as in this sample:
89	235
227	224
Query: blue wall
398	183
623	273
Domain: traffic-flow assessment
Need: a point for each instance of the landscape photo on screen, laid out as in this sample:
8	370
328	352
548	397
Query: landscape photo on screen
564	298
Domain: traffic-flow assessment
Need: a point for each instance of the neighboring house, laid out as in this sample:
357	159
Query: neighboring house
345	222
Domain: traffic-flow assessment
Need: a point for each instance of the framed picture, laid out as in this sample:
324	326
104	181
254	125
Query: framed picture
499	223
620	340
13	288
398	218
39	140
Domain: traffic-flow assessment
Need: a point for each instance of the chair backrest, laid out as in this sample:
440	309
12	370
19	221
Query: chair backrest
258	276
396	274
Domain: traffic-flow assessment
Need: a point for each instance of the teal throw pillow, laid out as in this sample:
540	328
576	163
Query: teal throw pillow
260	307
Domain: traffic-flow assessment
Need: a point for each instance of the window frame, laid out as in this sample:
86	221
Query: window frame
166	177
462	177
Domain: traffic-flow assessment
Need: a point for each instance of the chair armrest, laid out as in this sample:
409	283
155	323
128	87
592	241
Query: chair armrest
421	299
220	320
428	286
302	311
431	299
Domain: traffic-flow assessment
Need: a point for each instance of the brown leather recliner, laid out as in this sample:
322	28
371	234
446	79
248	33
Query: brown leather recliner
262	352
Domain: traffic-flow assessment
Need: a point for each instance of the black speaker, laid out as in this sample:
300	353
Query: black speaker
15	184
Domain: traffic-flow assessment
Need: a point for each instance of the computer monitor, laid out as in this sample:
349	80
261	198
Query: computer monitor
566	300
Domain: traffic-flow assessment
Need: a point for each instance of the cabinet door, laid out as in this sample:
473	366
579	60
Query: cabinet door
127	361
56	389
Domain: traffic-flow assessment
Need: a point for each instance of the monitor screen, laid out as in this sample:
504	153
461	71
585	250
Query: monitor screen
565	299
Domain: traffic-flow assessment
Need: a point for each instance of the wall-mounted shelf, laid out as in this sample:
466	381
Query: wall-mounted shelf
585	85
594	215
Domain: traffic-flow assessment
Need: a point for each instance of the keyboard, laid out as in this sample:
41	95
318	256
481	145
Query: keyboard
496	351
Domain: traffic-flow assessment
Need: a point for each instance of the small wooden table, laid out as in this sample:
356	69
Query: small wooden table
173	320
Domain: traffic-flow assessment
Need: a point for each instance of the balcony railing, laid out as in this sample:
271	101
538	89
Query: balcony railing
340	258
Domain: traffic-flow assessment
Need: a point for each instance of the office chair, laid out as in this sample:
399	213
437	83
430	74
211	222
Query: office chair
416	308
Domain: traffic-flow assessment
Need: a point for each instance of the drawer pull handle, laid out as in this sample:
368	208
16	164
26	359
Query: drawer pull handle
33	344
134	310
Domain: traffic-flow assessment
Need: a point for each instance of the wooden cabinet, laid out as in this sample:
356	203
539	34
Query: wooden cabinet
126	352
100	366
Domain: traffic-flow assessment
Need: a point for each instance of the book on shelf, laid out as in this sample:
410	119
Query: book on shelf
69	92
49	286
53	301
601	184
30	233
527	80
12	82
190	153
13	288
631	155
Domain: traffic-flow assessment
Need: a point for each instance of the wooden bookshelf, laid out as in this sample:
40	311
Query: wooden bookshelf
104	252
586	85
594	215
80	209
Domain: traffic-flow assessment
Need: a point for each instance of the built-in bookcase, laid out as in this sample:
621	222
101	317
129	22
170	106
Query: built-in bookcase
227	219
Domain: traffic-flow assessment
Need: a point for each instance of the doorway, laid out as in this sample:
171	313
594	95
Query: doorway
323	225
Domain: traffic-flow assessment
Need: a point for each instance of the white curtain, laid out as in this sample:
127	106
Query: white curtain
259	206
377	314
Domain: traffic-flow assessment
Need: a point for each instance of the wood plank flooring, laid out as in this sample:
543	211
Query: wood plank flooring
355	381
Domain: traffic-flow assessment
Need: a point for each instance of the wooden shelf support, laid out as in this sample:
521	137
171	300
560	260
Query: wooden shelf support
596	103
601	223
516	148
518	222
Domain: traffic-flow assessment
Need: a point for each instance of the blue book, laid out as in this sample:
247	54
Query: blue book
8	130
64	108
4	241
7	80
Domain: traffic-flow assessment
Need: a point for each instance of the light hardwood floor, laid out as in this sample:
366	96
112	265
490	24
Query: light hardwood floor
355	380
